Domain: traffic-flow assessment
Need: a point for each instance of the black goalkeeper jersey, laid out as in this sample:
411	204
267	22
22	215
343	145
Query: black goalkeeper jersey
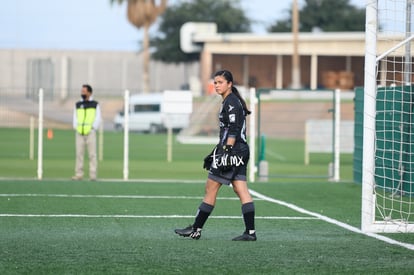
232	120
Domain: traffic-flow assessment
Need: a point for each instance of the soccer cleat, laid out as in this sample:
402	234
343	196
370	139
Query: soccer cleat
245	237
185	232
76	178
189	231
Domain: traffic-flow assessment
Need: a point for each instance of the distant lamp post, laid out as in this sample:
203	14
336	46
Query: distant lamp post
295	56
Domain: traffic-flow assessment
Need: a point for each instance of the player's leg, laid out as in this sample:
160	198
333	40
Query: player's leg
211	189
204	210
207	205
242	191
248	211
80	152
91	144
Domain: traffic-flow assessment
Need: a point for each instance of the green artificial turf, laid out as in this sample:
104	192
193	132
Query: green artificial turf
127	228
111	226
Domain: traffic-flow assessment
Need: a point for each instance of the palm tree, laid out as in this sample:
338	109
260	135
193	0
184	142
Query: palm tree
143	13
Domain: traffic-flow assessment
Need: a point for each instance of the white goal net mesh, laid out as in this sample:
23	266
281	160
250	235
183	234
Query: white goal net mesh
393	162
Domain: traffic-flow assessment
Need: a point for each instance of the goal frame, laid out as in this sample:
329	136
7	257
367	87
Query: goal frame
368	209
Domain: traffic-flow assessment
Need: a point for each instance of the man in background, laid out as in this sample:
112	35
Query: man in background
86	120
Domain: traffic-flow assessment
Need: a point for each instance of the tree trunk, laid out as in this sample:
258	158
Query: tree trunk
143	13
146	61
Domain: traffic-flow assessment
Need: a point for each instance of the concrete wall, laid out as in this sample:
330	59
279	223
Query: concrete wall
109	73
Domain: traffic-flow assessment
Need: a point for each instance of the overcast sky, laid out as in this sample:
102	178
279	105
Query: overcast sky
96	25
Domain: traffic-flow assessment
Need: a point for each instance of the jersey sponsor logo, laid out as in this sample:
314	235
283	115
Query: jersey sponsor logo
232	118
227	160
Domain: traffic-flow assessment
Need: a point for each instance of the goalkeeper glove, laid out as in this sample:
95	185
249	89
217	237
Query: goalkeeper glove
226	158
208	160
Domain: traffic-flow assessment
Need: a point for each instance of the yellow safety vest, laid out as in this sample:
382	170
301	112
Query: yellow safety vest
85	116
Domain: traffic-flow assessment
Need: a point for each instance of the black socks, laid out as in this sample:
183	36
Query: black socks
204	210
248	217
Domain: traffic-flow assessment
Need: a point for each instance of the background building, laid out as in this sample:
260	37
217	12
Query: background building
327	60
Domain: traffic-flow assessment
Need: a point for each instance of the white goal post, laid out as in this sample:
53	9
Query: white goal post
388	149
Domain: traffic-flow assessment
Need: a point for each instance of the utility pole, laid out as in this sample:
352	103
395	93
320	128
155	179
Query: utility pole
295	56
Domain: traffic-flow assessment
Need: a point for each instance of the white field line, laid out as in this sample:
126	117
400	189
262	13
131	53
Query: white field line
332	221
275	155
254	193
131	216
190	181
111	196
145	216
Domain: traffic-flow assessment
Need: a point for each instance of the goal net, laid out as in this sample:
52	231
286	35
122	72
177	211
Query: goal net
388	150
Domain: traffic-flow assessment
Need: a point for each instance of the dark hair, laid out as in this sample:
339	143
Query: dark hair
229	77
88	87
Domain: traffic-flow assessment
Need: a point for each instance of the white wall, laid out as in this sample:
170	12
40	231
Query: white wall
109	73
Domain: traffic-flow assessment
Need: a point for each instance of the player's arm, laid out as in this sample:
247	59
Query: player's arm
231	140
233	119
232	113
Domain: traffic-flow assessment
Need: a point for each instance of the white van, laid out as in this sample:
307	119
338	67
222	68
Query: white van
147	114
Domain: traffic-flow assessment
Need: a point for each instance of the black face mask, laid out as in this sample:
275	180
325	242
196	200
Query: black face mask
83	96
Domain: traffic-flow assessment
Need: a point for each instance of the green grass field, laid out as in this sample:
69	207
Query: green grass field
57	226
148	157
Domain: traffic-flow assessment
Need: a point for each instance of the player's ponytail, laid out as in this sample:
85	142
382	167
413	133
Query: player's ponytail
229	77
243	102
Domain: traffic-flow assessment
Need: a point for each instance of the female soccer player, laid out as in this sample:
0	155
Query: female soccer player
227	163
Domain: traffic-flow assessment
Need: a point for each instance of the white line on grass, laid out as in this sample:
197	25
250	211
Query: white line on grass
254	193
112	196
145	216
275	155
189	181
332	221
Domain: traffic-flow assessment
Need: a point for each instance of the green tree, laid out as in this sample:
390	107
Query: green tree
227	14
143	13
327	15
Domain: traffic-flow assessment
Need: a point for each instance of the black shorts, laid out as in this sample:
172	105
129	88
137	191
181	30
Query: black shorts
238	172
